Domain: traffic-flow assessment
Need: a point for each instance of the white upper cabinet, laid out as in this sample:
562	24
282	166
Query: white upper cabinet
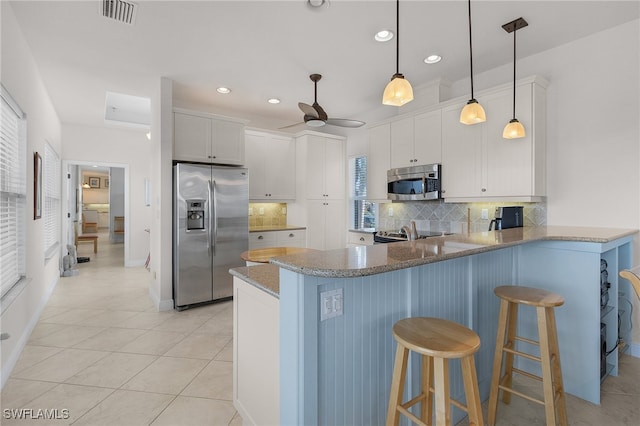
479	164
378	161
325	168
416	140
271	160
427	136
207	138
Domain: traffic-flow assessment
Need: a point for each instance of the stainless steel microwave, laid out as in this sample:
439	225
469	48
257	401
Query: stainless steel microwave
414	183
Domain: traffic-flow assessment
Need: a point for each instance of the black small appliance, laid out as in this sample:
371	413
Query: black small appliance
507	217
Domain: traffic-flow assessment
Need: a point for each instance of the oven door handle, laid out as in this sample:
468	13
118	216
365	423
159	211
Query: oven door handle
424	186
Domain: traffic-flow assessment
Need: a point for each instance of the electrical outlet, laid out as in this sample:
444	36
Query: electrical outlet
261	210
484	214
284	210
390	211
331	304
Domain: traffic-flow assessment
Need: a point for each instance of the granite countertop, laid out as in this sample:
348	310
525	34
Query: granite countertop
265	277
267	228
375	259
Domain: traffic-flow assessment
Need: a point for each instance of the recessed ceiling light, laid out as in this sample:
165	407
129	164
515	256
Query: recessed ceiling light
223	90
432	59
383	35
274	101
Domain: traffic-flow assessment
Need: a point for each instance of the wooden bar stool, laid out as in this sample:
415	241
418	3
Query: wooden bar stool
544	302
437	340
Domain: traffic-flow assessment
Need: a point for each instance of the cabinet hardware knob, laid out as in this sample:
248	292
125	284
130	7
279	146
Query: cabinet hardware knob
415	160
484	189
361	238
291	235
260	237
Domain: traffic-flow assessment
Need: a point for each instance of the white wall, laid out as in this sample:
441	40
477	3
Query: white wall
21	78
118	147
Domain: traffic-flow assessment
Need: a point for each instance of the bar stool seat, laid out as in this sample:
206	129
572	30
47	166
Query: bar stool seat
436	340
544	302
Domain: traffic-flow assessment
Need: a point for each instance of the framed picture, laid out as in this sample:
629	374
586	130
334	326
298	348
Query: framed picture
37	186
94	182
106	182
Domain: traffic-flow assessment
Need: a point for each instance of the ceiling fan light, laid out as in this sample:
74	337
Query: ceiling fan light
315	123
513	130
398	92
472	113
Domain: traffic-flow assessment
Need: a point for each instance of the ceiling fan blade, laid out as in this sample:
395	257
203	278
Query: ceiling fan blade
308	110
291	125
321	114
345	122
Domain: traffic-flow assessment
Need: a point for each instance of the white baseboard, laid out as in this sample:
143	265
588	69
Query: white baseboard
634	350
161	305
24	338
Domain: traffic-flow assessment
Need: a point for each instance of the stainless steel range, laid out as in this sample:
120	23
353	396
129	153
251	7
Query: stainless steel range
398	236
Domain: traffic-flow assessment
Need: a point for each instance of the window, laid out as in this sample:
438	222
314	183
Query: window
362	211
13	192
51	194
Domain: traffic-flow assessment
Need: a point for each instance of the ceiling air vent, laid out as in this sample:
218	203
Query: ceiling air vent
119	10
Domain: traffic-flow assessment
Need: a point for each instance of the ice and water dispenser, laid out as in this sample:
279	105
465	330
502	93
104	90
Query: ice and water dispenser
195	214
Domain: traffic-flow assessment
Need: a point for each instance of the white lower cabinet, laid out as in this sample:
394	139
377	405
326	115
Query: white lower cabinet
326	224
256	354
282	238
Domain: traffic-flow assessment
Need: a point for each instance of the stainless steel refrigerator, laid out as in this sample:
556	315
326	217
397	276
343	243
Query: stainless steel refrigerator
210	231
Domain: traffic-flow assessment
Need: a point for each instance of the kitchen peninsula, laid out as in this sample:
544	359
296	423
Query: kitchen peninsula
338	370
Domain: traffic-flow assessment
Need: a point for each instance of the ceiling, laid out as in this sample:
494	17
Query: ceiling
262	49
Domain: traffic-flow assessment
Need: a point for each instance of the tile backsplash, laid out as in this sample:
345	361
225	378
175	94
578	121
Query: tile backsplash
439	216
267	214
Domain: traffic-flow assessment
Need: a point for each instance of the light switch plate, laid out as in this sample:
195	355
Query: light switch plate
484	214
331	303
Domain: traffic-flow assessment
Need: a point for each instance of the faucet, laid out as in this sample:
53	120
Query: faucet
412	233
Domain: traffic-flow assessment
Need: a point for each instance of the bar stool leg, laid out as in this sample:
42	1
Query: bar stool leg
497	362
442	390
551	372
397	385
426	407
471	391
509	357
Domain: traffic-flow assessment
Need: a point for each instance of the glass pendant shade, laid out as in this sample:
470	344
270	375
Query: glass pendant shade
513	130
472	113
398	92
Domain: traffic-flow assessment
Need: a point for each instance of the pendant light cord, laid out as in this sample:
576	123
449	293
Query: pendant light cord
514	73
470	50
397	36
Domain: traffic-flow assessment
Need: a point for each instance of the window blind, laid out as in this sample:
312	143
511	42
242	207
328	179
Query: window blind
361	216
51	193
13	192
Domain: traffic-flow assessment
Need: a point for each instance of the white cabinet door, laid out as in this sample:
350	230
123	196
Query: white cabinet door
315	167
205	138
280	169
509	162
271	163
334	169
227	142
461	156
192	137
378	162
325	224
316	228
402	133
428	138
255	148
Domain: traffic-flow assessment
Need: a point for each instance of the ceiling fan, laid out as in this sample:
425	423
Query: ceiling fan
315	116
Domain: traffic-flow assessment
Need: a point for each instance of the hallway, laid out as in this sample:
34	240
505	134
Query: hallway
102	355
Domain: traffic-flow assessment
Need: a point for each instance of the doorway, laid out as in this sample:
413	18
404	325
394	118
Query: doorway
96	202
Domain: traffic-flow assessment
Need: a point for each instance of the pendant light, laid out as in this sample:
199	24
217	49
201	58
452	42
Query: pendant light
472	113
514	129
398	92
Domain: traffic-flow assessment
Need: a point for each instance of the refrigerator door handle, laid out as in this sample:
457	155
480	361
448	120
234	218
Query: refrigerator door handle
214	216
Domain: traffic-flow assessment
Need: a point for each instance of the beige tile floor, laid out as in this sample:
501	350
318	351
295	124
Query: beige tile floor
102	352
